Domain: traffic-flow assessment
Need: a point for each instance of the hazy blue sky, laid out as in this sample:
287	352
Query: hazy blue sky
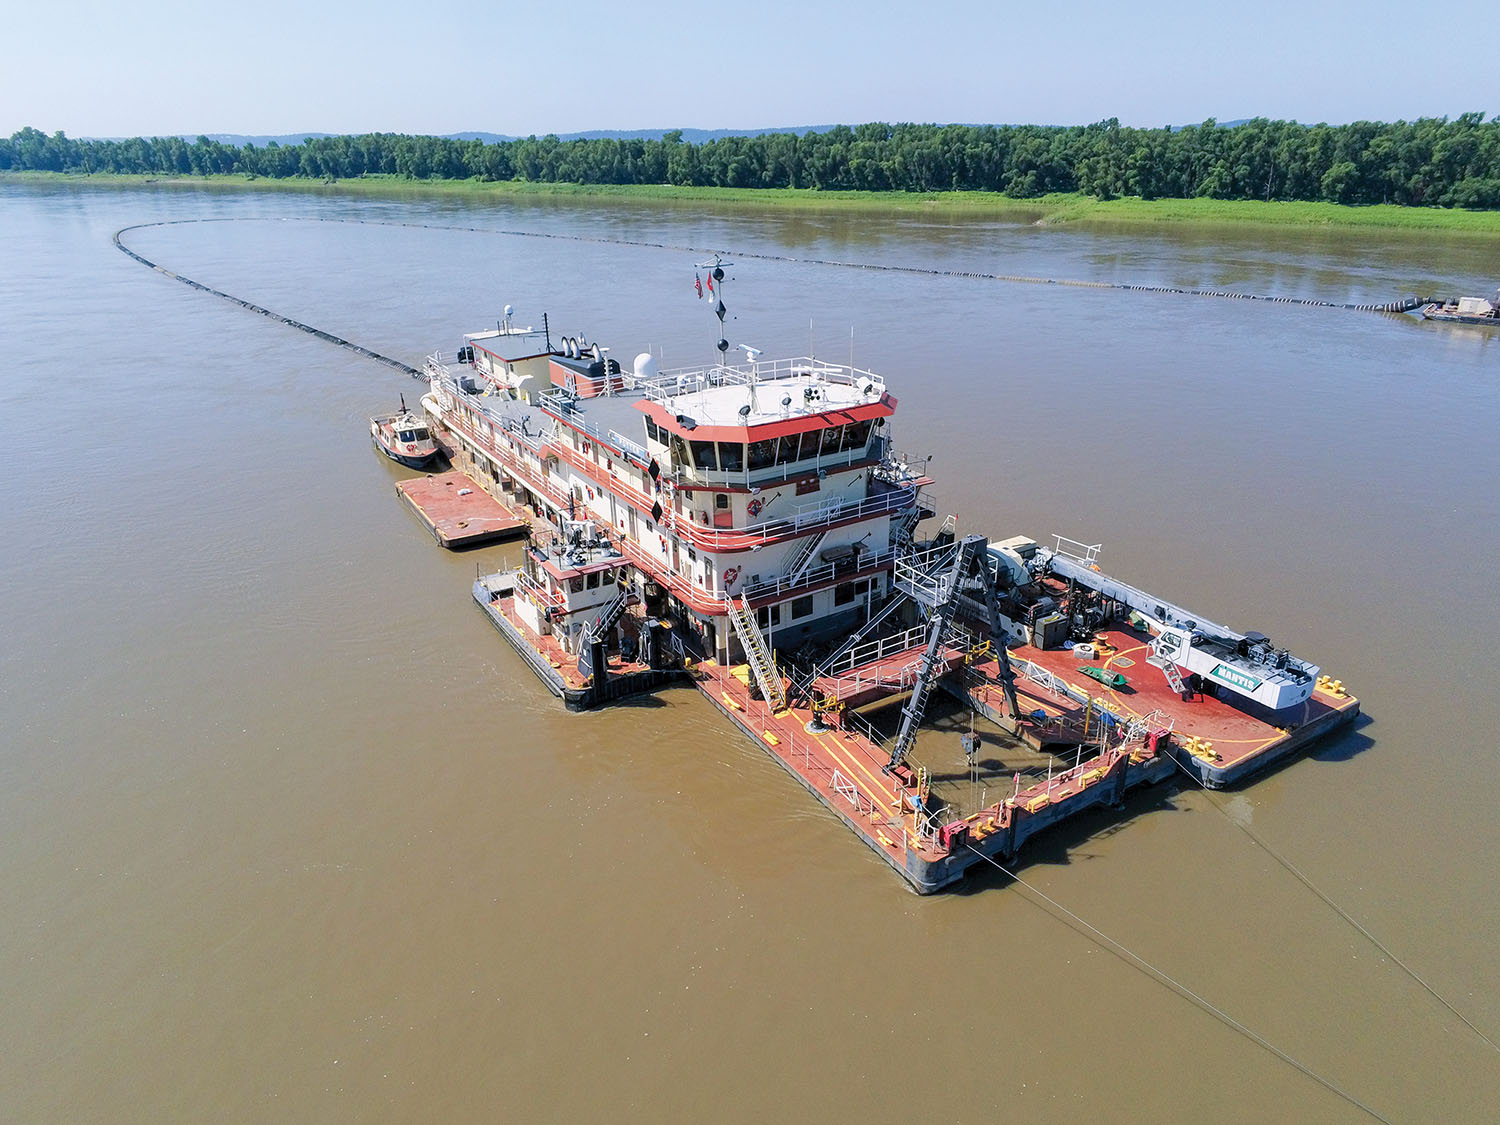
442	66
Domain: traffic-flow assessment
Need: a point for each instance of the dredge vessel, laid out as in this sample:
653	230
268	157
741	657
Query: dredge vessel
753	528
1465	310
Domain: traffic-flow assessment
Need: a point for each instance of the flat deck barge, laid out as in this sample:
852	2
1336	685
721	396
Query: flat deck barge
1217	743
459	512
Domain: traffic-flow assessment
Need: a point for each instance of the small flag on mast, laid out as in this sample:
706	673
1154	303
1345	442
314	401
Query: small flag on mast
710	283
698	284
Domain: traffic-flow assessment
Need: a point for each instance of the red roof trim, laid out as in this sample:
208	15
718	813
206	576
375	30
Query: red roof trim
781	427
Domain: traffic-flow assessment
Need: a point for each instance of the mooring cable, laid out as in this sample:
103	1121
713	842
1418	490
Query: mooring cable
1162	977
1328	901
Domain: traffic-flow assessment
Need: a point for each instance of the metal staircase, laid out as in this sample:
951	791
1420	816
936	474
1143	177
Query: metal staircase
757	654
906	527
803	555
1169	669
611	615
916	703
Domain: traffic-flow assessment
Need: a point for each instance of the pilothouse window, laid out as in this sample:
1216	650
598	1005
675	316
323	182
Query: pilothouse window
703	455
762	454
731	456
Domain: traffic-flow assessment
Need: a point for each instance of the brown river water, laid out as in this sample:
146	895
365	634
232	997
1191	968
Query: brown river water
287	833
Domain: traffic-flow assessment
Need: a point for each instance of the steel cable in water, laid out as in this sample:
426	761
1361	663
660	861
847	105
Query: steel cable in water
1186	993
1302	878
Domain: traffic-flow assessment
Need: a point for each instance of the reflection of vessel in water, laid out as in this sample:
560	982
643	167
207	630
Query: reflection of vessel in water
1465	310
404	437
752	526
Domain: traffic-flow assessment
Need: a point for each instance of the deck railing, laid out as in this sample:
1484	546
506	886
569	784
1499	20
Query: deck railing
664	387
815	575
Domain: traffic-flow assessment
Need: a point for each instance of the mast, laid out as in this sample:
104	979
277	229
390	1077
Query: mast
715	270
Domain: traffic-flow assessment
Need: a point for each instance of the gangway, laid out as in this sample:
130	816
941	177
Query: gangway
757	654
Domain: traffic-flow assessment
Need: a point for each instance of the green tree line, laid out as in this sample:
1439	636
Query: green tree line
1427	162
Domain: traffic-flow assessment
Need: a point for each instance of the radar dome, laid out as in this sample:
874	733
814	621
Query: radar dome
645	366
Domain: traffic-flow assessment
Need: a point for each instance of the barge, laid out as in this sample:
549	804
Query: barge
752	529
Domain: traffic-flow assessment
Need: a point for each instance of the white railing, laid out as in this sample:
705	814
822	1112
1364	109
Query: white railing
1086	553
878	650
813	575
664	387
723	538
1055	684
921	573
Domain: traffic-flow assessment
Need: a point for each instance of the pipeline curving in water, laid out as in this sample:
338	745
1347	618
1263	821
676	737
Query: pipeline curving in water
405	368
1400	306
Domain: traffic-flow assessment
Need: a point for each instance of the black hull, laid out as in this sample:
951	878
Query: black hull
410	462
1459	318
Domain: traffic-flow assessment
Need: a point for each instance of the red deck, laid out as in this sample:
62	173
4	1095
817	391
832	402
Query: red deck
458	512
565	663
1225	736
841	766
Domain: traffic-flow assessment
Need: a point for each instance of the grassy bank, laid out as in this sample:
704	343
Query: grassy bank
1045	210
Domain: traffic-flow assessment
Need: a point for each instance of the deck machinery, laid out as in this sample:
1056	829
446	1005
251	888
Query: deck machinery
943	579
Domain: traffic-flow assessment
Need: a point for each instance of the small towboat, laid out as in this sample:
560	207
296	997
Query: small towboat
1466	310
404	437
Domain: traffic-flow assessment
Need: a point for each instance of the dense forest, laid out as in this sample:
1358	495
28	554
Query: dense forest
1428	162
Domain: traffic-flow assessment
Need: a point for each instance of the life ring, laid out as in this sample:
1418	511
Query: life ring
755	507
731	576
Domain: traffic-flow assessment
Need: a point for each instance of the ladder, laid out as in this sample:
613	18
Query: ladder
906	527
1168	669
757	654
611	615
802	556
945	604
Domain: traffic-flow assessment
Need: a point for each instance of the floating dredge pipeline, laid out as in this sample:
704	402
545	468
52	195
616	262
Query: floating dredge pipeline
244	304
1401	306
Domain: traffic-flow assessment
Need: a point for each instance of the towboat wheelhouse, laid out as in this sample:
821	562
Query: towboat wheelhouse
770	485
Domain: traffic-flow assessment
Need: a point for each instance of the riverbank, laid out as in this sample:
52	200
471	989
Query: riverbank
1044	210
